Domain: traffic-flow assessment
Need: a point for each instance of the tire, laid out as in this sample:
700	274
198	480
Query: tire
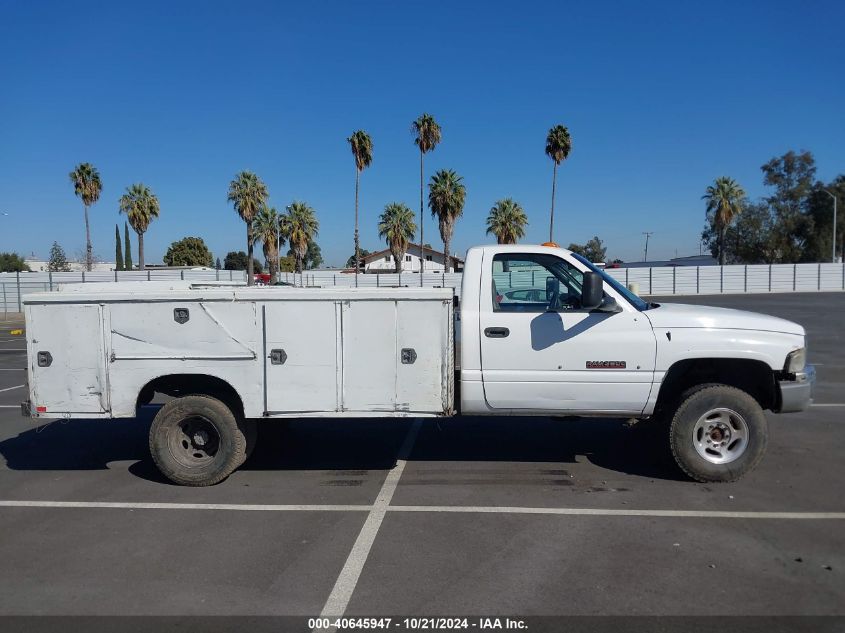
196	440
718	433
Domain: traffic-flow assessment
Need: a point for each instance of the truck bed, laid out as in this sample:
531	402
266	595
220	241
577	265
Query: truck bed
286	352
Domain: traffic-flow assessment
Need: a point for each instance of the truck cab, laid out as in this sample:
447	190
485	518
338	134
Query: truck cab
545	332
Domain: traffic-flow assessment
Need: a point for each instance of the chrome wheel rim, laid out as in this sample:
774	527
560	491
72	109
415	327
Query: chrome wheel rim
720	436
194	442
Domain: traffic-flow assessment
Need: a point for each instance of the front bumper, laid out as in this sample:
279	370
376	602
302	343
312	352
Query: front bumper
797	395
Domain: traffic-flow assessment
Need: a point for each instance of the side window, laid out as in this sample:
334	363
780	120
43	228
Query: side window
525	282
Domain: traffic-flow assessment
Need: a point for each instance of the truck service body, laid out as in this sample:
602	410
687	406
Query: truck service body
536	330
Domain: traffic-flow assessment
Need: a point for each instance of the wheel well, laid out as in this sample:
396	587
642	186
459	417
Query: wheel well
752	376
183	384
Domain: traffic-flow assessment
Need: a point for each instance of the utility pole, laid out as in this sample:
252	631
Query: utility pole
647	234
833	256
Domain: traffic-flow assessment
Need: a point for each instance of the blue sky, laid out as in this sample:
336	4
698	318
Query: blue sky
660	98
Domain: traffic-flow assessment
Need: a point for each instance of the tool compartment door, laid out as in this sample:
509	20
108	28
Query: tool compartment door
396	356
301	356
67	361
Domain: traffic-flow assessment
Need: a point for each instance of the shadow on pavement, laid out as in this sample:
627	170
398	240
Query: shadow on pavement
360	444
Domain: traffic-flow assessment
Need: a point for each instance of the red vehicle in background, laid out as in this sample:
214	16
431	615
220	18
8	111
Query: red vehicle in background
262	279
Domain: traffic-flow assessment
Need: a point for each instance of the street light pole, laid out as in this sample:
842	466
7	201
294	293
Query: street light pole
647	234
833	256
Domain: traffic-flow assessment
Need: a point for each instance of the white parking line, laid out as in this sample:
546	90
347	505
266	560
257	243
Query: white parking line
10	388
346	581
185	506
703	514
12	368
828	405
388	490
14	349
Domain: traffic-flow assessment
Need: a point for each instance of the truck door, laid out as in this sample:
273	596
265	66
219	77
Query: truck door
67	358
563	358
301	357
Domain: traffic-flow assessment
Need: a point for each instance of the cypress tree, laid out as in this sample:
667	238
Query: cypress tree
127	248
118	250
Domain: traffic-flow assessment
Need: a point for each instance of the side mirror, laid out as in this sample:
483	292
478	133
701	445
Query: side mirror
553	293
592	292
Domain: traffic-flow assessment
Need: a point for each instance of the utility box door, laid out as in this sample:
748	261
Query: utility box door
301	356
369	356
396	356
67	358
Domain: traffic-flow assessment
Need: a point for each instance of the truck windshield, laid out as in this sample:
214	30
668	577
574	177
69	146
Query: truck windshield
633	299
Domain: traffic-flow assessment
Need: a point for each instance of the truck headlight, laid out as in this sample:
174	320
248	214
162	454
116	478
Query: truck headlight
796	360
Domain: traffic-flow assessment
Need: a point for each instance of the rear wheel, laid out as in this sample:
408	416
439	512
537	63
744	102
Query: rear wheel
196	440
718	433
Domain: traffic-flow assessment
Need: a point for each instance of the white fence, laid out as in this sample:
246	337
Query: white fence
752	278
13	286
329	279
664	280
680	280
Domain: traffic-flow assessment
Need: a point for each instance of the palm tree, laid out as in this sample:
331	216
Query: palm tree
507	221
427	135
87	186
558	146
299	226
446	197
724	201
396	225
362	150
265	228
249	195
140	206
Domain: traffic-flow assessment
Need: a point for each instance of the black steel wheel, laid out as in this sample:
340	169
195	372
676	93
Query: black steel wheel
196	440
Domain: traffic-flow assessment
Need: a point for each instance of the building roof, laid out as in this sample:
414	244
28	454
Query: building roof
429	250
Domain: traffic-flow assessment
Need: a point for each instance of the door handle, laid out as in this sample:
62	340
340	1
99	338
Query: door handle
496	332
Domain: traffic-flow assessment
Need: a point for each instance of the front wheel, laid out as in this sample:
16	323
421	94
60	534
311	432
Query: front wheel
718	433
196	440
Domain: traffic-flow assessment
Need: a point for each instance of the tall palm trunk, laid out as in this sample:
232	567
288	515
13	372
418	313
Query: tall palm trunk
357	251
140	250
446	234
249	272
89	259
721	246
422	224
397	258
274	264
552	216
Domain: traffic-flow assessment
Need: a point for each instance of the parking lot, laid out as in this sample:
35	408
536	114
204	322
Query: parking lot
472	516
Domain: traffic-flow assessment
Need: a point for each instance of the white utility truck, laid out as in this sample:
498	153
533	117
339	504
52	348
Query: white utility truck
537	330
